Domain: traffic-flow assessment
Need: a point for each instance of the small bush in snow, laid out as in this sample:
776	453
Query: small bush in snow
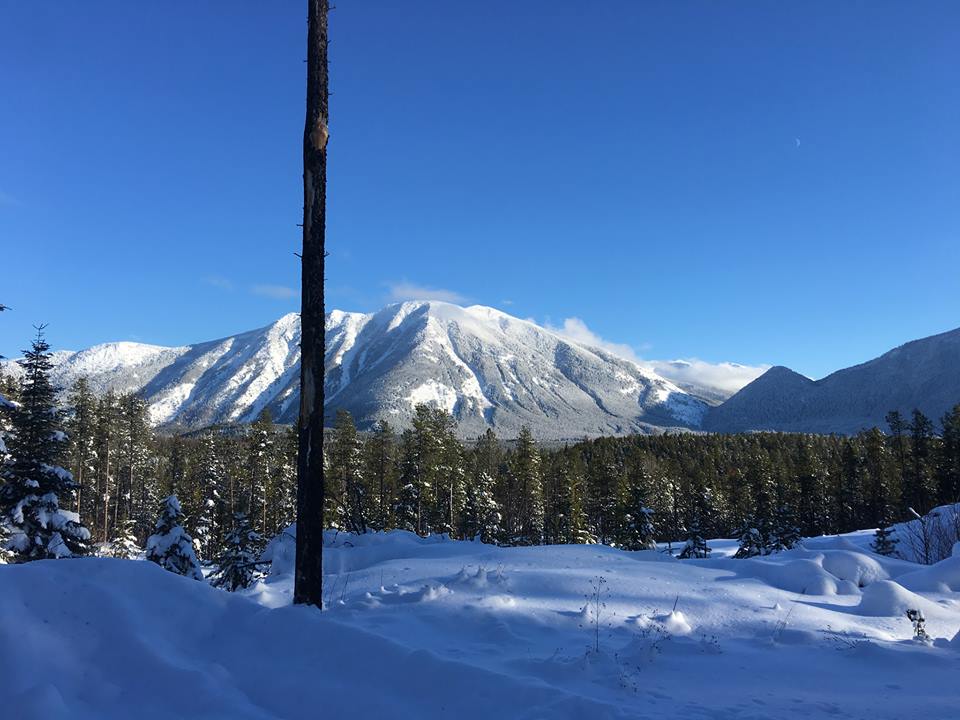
919	625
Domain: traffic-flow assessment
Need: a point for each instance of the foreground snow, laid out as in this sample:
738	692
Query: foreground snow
424	628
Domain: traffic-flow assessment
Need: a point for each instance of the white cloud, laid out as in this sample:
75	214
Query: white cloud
277	292
401	291
577	330
726	377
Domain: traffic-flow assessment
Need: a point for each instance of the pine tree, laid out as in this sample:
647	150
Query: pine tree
948	466
696	546
918	485
81	424
636	531
258	462
209	507
481	511
526	480
170	546
566	518
752	542
450	474
380	472
884	543
236	565
124	544
34	485
345	487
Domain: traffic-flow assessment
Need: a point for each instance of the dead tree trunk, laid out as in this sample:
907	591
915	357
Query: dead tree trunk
308	578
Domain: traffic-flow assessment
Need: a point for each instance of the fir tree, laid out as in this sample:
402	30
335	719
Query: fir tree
34	485
884	543
170	546
481	511
696	546
210	507
380	472
345	480
124	543
526	481
236	565
752	542
637	531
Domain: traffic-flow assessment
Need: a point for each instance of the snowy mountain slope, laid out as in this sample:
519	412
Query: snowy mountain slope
922	374
486	367
493	370
432	628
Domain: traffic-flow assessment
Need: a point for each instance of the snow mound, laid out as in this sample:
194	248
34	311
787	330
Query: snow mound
804	575
855	567
942	577
888	598
676	623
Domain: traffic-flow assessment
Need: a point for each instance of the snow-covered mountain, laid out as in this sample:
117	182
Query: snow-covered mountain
922	374
486	367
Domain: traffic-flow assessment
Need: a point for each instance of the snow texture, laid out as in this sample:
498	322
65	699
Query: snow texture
433	628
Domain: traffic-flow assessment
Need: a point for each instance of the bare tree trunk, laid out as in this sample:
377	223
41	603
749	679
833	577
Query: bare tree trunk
308	578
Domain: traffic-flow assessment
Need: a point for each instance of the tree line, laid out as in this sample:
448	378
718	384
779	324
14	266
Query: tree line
768	489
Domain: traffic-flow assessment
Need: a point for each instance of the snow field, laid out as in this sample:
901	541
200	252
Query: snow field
429	627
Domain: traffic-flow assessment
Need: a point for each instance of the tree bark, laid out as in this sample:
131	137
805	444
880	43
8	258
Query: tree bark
308	578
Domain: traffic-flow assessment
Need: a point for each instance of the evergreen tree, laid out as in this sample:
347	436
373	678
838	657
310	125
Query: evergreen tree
209	507
566	519
236	565
124	544
918	485
81	425
636	517
170	546
884	543
481	512
696	546
33	483
526	481
258	464
752	542
948	466
449	473
346	490
380	472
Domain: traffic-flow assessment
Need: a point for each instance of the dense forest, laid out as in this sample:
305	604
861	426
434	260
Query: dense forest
768	489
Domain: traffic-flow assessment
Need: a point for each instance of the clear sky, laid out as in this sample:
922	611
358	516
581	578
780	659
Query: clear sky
762	182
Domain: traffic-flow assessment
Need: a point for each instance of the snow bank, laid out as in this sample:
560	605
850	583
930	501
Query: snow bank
432	628
889	598
942	577
803	575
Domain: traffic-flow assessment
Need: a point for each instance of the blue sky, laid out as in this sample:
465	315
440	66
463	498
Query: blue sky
758	182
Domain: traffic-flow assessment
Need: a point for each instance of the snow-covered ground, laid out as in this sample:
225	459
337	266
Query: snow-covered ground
431	628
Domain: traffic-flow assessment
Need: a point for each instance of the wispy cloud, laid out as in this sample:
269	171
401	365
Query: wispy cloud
727	377
8	199
401	291
218	281
577	330
276	292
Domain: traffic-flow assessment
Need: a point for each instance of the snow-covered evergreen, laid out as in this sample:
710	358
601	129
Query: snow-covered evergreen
696	546
36	527
236	565
170	546
124	545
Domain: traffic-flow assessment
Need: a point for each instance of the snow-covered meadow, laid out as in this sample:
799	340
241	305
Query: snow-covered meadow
429	627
